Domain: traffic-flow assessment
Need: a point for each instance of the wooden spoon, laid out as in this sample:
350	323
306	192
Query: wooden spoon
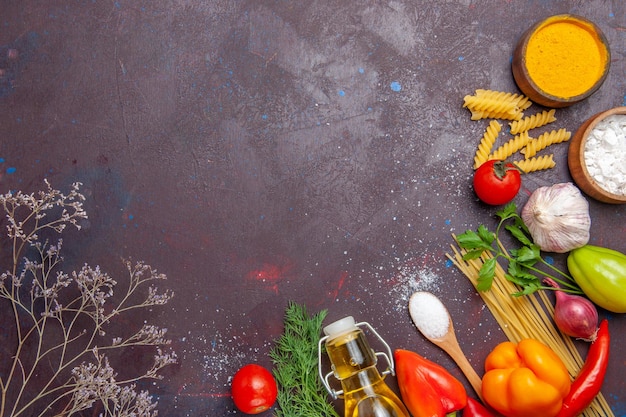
448	343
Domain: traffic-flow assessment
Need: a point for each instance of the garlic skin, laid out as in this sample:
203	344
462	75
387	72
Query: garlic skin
558	218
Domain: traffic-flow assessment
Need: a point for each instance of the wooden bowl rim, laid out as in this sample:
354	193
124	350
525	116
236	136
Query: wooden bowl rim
550	99
581	141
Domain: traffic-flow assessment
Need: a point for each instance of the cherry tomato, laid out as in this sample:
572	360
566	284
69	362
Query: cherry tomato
497	182
253	389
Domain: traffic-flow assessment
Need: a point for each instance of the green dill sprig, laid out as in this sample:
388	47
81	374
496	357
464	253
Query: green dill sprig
295	358
523	263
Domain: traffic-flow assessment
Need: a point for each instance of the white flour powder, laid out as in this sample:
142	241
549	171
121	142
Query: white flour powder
605	154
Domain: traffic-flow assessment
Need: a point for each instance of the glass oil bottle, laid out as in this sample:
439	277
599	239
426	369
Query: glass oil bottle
353	363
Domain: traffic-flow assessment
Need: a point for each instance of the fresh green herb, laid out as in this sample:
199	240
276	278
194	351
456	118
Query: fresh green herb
295	358
523	263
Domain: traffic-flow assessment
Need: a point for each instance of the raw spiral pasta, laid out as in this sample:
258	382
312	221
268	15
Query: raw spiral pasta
523	102
545	140
481	114
499	105
533	121
486	143
491	105
496	105
510	147
536	163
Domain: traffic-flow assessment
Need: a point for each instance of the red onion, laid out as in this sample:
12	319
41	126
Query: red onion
574	315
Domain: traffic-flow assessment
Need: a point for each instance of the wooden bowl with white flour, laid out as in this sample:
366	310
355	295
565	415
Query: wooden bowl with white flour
597	156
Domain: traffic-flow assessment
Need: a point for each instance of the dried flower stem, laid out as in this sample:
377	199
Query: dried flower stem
53	342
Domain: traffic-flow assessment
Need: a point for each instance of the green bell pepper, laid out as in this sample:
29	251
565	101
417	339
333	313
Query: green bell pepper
601	274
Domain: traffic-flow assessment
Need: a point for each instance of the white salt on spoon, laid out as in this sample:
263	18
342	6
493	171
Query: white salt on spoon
433	320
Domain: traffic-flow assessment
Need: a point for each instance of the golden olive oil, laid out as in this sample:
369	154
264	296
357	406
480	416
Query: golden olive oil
354	363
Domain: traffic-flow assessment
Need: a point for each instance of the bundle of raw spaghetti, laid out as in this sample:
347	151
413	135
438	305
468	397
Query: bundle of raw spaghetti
529	316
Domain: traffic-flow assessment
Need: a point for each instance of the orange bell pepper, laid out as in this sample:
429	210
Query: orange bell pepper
527	379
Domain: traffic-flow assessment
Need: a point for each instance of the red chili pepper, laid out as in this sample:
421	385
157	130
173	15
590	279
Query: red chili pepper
476	409
428	389
589	380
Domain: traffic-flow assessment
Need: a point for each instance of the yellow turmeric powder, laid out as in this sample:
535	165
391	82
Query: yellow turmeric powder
565	57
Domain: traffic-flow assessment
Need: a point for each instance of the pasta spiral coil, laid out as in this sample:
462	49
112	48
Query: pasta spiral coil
496	105
481	114
486	143
536	163
533	121
522	101
510	147
491	105
545	140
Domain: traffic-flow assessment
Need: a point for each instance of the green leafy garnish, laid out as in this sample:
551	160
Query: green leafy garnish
295	358
523	263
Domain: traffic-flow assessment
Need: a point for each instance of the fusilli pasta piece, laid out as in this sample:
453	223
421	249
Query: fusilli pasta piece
510	147
480	114
490	104
536	163
522	101
496	104
486	143
533	121
545	140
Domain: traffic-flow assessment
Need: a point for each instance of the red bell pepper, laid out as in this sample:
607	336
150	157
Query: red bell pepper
476	409
589	380
427	389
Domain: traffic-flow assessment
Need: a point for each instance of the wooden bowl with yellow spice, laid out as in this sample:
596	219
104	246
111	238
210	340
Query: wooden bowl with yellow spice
561	60
597	156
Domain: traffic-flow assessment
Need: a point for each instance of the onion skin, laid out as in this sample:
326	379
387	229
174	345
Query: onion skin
574	315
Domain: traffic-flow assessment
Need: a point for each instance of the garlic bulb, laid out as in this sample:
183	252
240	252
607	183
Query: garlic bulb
558	218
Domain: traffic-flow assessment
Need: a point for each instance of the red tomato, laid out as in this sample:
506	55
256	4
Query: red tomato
497	182
253	389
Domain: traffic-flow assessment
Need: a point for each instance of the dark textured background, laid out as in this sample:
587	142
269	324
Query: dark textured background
265	151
